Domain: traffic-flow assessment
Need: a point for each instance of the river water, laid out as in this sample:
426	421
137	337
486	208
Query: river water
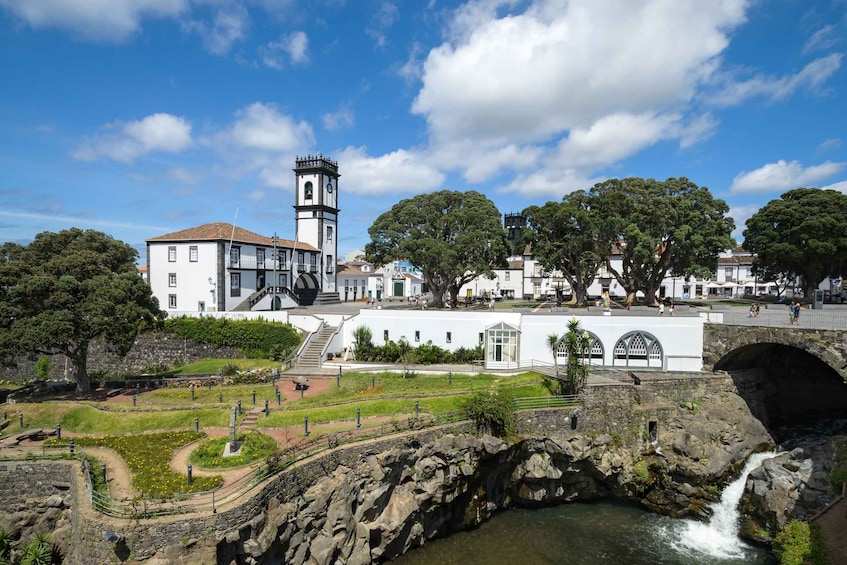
600	533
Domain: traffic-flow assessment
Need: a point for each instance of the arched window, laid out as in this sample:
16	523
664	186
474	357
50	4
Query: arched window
638	349
594	355
308	191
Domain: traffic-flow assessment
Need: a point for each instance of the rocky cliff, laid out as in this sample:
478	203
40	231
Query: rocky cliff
392	501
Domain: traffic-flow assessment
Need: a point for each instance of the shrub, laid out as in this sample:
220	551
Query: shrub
254	338
837	477
254	446
793	544
43	367
492	412
229	370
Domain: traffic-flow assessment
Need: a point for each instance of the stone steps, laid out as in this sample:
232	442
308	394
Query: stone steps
250	419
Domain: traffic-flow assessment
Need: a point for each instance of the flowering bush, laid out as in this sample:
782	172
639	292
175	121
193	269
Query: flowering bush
148	457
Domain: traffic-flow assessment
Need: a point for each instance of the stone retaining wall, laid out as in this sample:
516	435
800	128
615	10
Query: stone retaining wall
149	350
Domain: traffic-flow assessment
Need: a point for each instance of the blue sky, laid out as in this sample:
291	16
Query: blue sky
141	117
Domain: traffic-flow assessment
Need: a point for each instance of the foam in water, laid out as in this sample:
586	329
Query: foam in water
719	537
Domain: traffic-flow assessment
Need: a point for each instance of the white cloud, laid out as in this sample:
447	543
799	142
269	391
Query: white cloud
381	21
839	186
824	38
263	126
612	138
95	20
551	182
782	175
126	141
811	77
184	175
393	173
229	25
562	65
832	143
341	119
295	45
742	213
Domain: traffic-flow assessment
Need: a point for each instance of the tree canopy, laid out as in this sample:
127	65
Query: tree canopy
564	236
65	289
802	233
660	227
450	236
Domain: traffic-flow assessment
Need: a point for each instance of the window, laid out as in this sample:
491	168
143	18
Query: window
728	272
171	253
385	335
172	301
481	338
638	349
508	275
171	279
502	346
235	284
260	258
192	253
329	264
235	257
280	257
313	259
329	233
593	353
283	279
449	337
201	306
301	264
347	284
417	335
308	190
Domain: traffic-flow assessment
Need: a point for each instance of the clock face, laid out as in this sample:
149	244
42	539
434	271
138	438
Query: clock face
329	187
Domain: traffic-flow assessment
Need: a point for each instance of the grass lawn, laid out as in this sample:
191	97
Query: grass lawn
213	366
80	418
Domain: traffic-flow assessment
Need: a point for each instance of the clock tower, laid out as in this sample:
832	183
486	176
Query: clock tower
316	214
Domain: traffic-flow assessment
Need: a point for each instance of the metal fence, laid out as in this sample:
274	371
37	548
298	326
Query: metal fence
778	316
536	402
183	503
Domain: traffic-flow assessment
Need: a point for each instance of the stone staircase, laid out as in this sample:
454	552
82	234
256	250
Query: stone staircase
250	419
312	356
327	298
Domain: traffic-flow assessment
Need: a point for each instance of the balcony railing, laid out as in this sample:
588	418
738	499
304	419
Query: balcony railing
250	263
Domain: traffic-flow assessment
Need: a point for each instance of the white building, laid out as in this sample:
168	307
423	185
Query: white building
513	340
221	267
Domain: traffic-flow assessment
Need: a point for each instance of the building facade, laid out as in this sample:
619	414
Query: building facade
222	267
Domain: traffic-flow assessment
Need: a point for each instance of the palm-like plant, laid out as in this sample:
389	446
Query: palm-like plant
553	345
576	343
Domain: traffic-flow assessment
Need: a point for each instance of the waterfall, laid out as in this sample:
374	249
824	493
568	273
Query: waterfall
719	537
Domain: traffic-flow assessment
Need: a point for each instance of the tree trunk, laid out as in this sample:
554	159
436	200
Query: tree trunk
580	295
649	295
79	360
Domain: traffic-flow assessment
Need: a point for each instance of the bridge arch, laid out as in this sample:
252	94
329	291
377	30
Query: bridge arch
736	347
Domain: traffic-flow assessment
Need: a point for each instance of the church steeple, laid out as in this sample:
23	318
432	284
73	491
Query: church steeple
316	211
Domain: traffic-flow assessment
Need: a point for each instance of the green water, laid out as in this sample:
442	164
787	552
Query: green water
585	534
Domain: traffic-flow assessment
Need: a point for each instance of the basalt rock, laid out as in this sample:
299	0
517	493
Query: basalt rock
391	502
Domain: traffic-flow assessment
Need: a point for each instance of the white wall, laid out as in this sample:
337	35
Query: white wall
192	278
681	337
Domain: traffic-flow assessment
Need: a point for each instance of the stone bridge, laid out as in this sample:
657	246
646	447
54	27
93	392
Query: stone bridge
727	347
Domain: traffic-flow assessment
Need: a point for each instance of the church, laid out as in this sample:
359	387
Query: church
220	267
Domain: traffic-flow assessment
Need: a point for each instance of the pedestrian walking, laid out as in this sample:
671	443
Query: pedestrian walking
791	313
672	308
661	308
797	314
756	310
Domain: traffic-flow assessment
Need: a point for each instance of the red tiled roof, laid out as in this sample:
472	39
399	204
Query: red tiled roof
222	231
516	264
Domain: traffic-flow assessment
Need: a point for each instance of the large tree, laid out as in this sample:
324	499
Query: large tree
658	228
564	236
802	233
65	289
452	237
